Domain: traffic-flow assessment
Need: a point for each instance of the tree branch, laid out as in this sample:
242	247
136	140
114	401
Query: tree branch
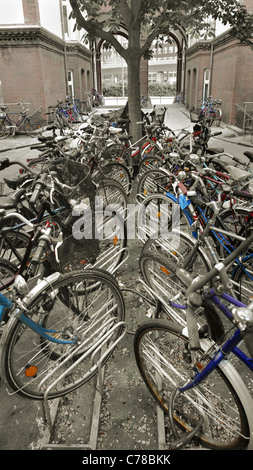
96	31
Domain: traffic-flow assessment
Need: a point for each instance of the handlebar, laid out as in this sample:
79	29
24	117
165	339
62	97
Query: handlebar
5	163
201	282
17	215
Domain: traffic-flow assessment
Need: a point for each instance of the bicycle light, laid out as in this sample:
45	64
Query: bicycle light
21	285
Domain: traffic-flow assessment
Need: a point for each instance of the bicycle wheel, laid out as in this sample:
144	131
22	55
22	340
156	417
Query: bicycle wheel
13	245
161	353
85	307
7	272
151	182
160	274
149	162
158	213
218	116
242	277
111	193
100	237
236	220
120	173
33	126
118	153
5	128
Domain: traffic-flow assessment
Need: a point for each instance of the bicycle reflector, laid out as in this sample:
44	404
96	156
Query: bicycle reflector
31	371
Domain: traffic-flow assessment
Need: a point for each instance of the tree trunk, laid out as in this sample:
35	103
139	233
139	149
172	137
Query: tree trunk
133	63
134	98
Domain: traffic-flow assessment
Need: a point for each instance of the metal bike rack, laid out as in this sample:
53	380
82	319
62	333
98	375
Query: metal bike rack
50	415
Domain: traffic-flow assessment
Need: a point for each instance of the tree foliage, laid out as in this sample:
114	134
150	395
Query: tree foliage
146	20
154	18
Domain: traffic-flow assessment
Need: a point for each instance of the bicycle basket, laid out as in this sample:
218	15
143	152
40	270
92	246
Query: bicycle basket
195	115
77	176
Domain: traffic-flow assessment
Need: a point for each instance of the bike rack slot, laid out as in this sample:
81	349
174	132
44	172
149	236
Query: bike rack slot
50	415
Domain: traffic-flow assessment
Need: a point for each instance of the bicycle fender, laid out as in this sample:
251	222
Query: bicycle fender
172	197
41	285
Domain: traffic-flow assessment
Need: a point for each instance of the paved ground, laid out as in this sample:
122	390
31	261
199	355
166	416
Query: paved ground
128	418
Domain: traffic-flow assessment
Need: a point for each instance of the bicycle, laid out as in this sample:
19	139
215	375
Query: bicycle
31	124
60	333
190	374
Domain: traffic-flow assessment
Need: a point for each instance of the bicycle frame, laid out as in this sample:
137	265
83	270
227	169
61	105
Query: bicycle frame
7	305
230	346
220	236
15	124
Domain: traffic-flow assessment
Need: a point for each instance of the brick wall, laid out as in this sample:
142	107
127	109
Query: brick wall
231	79
31	12
33	66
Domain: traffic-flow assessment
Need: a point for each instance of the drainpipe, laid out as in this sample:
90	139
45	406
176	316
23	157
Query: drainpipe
65	48
211	71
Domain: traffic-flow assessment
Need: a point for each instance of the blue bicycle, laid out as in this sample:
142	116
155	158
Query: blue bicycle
190	374
60	333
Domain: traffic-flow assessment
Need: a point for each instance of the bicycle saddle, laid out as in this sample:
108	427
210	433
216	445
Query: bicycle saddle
14	183
10	202
237	174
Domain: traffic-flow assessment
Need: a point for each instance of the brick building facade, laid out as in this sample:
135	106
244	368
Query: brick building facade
221	68
39	62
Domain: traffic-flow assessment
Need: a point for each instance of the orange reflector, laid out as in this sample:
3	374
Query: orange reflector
165	270
158	214
31	371
115	240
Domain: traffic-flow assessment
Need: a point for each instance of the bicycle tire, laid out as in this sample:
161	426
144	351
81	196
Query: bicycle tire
13	244
86	304
152	181
100	238
111	193
118	153
158	213
160	274
160	349
120	173
149	162
7	272
218	117
5	128
32	127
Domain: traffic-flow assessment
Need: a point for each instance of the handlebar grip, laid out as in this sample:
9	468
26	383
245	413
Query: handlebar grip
216	133
5	163
40	250
37	146
37	189
243	194
222	175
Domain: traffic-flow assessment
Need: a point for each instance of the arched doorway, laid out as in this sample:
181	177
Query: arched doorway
178	70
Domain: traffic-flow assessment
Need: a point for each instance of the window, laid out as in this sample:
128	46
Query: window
70	83
206	83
